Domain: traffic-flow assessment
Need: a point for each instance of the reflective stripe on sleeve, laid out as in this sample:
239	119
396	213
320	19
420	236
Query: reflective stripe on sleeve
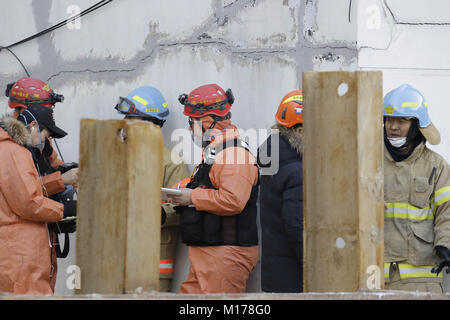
408	271
407	211
441	196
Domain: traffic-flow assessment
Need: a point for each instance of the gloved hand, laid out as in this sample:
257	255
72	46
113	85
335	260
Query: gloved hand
67	166
70	209
70	177
444	254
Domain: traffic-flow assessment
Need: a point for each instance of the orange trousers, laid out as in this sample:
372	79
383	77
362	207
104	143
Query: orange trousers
219	269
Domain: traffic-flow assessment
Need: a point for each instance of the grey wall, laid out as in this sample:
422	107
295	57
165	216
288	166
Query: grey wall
259	48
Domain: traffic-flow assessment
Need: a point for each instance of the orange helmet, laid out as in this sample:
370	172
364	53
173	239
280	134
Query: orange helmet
290	110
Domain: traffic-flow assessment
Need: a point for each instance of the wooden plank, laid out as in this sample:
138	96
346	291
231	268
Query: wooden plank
343	181
119	206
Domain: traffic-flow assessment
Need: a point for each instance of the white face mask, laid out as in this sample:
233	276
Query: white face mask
397	142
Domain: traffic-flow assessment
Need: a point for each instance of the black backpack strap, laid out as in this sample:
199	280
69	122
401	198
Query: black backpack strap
236	143
66	249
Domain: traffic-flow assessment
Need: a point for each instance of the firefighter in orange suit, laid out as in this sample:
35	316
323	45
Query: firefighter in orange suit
25	263
218	207
23	94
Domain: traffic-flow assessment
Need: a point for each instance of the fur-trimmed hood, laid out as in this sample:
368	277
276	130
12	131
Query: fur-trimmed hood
13	130
294	138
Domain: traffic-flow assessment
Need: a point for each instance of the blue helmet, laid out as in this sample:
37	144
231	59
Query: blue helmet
407	102
146	102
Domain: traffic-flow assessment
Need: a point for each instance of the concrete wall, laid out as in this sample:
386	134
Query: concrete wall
259	48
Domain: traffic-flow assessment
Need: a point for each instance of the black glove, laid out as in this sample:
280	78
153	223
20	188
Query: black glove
70	208
444	254
67	166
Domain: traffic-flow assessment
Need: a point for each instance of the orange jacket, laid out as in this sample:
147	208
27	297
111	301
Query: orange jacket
233	174
24	210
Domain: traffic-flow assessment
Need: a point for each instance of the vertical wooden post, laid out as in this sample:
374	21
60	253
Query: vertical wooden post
343	181
119	206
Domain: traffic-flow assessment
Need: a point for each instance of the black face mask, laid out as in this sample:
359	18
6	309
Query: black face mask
413	138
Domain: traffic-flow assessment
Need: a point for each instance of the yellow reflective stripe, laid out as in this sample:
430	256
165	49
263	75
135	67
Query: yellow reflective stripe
402	205
420	275
411	216
408	271
294	98
407	211
443	200
386	270
441	196
140	100
410	104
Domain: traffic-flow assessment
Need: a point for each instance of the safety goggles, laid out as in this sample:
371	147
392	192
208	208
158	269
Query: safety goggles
204	108
125	106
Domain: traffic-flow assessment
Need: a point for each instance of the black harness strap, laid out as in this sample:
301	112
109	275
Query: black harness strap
66	249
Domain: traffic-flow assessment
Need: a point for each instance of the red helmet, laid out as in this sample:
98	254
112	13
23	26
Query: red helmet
290	110
28	91
209	99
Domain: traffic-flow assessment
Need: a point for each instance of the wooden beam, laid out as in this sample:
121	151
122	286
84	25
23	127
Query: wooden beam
119	206
343	181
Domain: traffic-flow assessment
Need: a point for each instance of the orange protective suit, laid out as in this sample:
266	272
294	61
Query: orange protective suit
25	265
223	269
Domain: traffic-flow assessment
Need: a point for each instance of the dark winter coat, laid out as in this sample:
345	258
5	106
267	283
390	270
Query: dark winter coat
281	216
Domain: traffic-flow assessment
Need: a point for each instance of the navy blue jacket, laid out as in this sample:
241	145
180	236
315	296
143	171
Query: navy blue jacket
281	216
